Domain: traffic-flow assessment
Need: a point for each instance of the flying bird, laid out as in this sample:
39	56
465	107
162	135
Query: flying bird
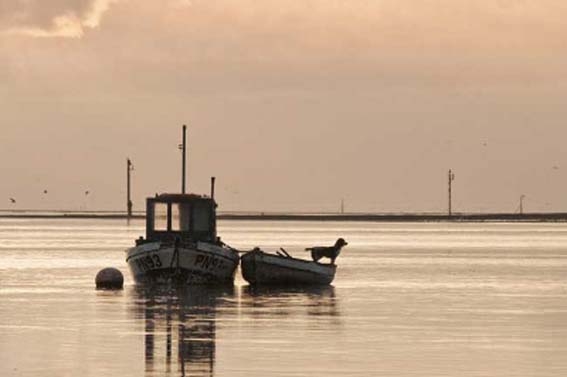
13	200
45	191
87	192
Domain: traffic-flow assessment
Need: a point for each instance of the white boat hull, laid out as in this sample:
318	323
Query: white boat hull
186	264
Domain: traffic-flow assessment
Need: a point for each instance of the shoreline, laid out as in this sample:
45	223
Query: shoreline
352	217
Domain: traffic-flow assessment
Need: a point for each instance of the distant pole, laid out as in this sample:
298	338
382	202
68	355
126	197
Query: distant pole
129	168
522	204
451	178
184	148
342	205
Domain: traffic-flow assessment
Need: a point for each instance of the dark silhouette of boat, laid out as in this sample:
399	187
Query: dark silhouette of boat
181	244
261	268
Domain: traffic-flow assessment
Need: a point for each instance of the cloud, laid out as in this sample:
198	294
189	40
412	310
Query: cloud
59	18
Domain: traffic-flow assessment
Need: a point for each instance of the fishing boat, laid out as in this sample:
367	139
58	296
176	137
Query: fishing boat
181	244
261	268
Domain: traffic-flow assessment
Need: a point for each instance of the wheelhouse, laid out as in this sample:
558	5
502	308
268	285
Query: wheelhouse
187	217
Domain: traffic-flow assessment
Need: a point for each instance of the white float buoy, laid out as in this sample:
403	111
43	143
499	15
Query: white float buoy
109	278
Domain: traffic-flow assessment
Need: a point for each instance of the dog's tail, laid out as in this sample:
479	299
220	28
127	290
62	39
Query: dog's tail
309	249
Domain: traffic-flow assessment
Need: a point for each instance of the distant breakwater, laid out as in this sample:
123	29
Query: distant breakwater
266	216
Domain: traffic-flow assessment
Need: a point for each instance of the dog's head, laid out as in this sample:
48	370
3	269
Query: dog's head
340	243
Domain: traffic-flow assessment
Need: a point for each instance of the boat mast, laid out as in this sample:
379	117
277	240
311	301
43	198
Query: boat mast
184	149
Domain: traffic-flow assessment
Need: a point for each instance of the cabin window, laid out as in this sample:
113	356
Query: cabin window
175	219
180	217
160	217
201	217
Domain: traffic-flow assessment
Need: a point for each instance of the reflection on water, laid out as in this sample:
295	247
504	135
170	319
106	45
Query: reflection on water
409	300
181	322
282	301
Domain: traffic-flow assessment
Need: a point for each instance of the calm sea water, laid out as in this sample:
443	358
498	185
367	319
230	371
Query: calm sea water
408	300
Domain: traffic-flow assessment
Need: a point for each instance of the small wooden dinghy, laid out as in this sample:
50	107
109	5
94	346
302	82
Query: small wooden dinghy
261	268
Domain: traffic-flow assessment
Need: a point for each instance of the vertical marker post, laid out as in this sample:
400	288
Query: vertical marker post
451	178
129	168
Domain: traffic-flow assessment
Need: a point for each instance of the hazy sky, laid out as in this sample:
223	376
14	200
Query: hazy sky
291	104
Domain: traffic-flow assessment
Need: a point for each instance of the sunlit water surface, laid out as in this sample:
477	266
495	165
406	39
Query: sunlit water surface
408	300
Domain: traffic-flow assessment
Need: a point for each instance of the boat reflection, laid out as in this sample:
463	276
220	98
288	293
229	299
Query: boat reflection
313	302
180	324
180	321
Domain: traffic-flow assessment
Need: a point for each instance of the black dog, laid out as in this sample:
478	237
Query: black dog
318	252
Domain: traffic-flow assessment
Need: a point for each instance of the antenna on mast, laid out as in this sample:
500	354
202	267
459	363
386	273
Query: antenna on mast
213	187
183	164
